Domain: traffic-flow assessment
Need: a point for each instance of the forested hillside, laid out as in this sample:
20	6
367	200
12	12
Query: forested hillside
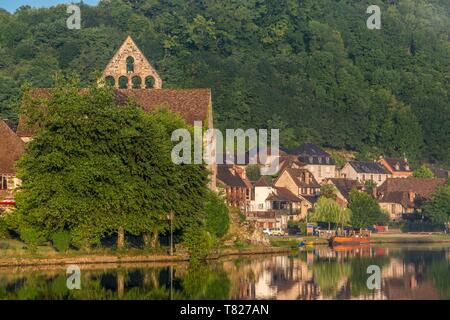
309	67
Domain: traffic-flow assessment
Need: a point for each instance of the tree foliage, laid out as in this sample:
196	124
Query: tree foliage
94	167
365	210
423	172
329	78
438	208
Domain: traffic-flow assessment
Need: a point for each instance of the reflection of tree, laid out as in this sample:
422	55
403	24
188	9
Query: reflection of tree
329	275
439	272
203	282
359	275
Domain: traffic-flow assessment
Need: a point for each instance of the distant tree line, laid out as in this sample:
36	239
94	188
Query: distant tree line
310	68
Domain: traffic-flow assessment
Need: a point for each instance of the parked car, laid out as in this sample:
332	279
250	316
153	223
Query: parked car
267	231
278	232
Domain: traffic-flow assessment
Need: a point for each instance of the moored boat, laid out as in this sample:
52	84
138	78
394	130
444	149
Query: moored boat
362	238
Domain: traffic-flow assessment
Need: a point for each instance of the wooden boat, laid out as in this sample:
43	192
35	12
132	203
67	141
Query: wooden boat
363	238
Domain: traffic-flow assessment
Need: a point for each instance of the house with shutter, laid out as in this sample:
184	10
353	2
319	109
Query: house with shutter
364	171
316	160
400	196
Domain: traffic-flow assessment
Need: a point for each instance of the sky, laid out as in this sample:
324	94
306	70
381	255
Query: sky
12	5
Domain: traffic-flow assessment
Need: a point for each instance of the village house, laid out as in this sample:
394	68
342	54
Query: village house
237	188
364	171
343	187
398	167
132	76
399	196
302	184
12	148
317	161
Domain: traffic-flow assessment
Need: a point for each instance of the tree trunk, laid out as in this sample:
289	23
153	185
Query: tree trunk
120	238
120	284
155	239
147	240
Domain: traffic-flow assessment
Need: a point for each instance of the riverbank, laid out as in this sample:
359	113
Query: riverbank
46	256
376	238
16	255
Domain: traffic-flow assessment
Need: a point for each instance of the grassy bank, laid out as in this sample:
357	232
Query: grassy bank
15	253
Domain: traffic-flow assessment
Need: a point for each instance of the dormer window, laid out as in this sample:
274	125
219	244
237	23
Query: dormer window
327	160
407	167
397	166
311	159
319	160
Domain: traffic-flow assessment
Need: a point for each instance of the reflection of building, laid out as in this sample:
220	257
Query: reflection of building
342	271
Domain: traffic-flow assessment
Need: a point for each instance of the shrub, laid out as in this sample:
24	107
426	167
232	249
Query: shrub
198	241
61	241
31	236
217	215
420	226
4	233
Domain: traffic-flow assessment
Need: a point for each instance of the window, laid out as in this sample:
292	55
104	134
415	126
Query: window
364	177
379	177
260	205
320	171
130	64
371	177
392	208
327	160
123	82
149	82
311	159
3	183
136	82
110	81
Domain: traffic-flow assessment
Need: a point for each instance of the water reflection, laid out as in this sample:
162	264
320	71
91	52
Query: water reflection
322	273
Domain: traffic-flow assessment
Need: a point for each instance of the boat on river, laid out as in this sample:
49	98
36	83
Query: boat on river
354	239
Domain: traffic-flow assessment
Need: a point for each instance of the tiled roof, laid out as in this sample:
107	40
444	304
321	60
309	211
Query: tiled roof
283	194
227	177
309	149
368	167
262	182
398	164
11	149
420	186
345	185
191	104
300	178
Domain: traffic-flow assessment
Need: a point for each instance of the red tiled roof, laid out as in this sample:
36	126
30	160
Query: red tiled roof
420	186
11	149
190	104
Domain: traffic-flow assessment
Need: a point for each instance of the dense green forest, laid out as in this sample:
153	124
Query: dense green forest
311	68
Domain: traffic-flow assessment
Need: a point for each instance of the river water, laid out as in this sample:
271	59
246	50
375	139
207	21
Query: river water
406	272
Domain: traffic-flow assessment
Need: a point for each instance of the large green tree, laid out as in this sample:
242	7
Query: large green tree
95	168
365	210
438	208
